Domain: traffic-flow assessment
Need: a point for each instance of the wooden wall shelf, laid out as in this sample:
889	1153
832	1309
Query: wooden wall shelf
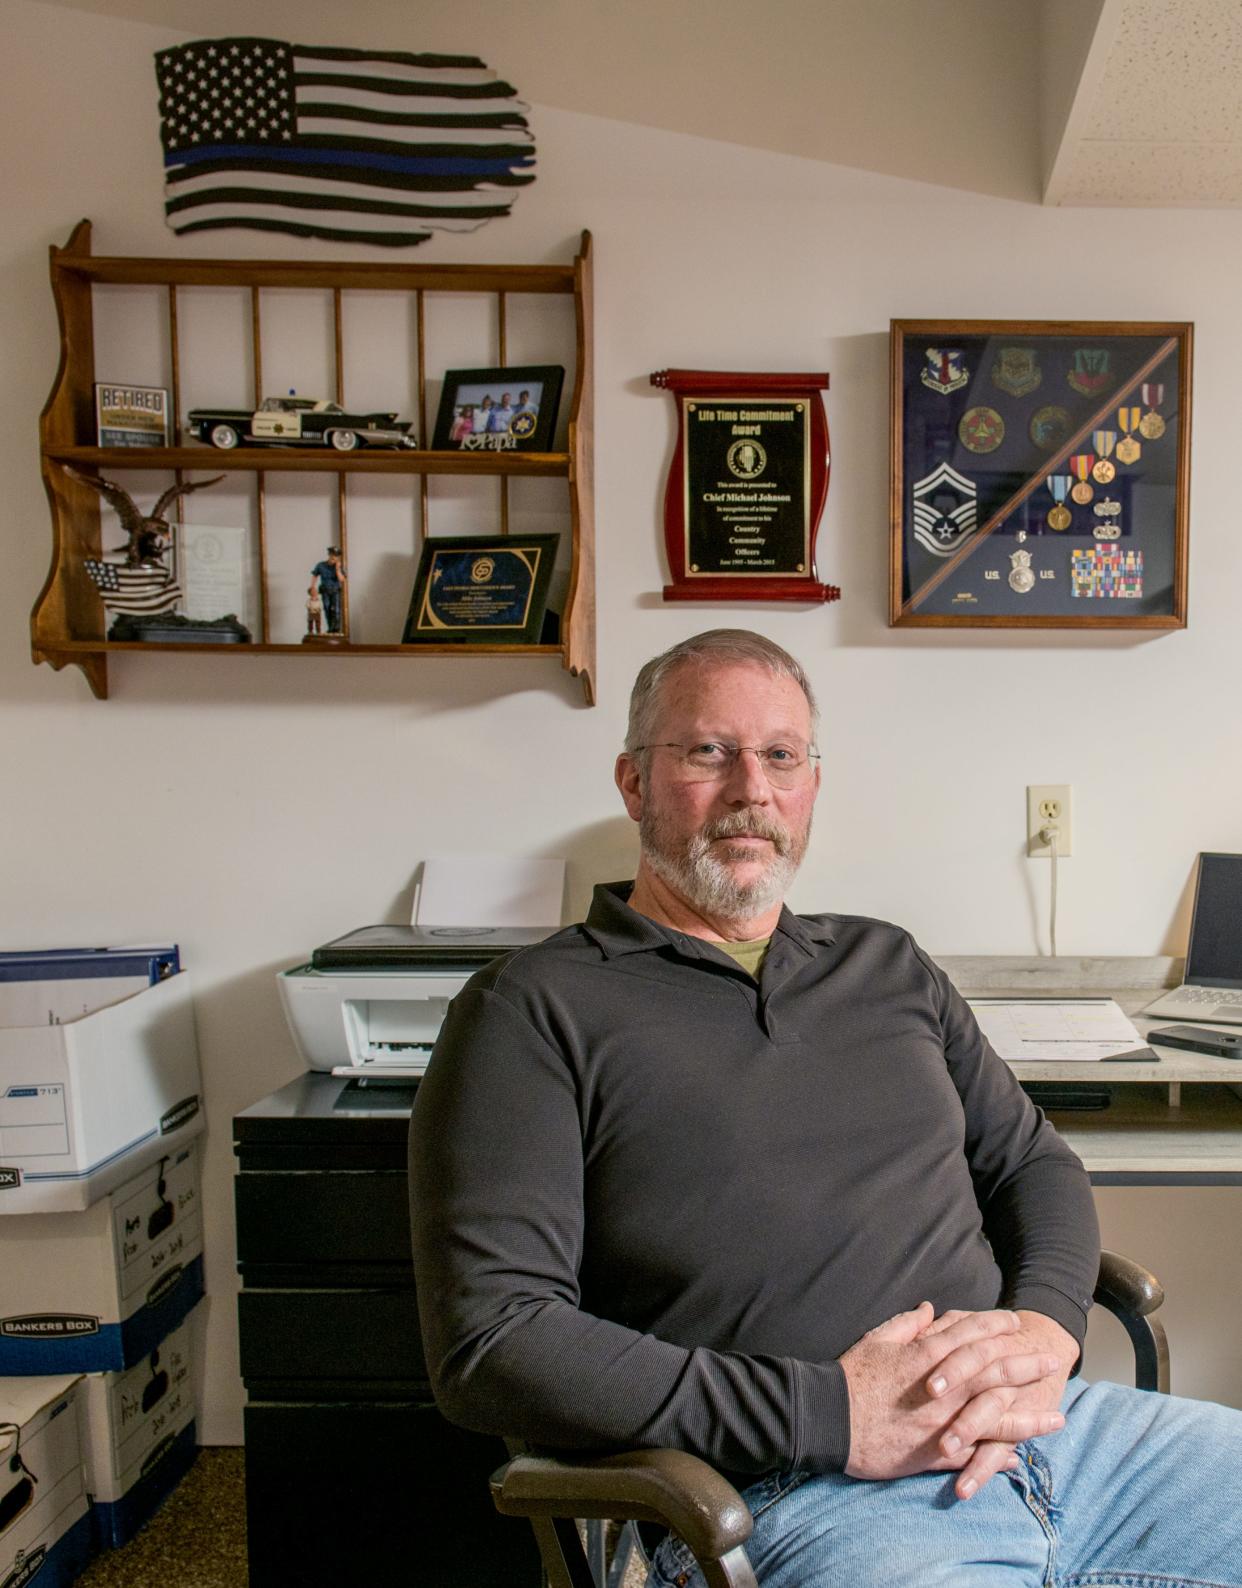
68	623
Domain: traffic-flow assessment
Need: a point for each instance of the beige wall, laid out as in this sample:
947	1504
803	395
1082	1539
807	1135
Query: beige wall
941	90
279	803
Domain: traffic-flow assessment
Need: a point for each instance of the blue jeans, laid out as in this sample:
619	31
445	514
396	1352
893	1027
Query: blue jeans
1138	1490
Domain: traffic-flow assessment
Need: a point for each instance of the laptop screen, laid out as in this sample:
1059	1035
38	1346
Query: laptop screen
1215	954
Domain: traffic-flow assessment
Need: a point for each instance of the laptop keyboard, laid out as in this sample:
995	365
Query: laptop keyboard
1211	995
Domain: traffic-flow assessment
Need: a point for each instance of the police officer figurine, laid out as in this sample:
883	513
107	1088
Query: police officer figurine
327	582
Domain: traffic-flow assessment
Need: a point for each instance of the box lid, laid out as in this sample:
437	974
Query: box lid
22	1399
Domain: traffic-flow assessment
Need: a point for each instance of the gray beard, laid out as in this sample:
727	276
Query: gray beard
704	879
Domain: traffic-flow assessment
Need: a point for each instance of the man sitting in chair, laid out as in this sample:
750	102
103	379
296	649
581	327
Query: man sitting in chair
703	1173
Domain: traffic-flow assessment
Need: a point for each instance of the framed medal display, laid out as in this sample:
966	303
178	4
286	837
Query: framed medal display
1040	474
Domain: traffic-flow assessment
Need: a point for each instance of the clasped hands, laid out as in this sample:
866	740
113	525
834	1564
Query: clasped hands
957	1392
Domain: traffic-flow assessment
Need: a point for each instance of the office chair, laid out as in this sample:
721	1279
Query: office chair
678	1491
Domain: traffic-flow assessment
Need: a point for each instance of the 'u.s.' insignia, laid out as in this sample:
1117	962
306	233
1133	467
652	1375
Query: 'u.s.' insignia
944	371
1017	371
944	510
1090	372
522	426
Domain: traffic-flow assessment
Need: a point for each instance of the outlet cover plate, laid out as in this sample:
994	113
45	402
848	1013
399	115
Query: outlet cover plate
1049	804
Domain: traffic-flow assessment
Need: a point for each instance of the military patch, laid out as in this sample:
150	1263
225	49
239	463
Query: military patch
944	371
981	430
1017	371
945	508
1090	373
1050	426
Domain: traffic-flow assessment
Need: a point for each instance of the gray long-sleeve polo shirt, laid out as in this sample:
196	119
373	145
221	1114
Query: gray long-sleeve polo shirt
654	1201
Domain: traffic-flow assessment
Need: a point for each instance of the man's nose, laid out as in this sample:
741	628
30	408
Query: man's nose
747	782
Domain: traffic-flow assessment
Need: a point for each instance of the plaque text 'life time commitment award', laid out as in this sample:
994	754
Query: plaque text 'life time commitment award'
747	486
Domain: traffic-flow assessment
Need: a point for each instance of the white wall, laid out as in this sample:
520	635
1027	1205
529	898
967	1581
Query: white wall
280	802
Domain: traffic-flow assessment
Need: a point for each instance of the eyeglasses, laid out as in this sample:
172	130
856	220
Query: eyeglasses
713	760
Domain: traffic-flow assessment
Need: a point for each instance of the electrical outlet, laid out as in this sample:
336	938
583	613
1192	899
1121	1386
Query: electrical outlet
1049	805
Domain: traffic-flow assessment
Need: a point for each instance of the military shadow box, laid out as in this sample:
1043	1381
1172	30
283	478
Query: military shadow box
1040	474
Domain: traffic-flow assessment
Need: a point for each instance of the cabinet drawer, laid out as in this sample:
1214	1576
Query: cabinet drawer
378	1495
322	1218
358	1335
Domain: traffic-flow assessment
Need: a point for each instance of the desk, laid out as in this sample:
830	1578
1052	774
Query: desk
1176	1122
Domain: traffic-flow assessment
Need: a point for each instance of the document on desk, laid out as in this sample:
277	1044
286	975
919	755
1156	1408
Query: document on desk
1069	1029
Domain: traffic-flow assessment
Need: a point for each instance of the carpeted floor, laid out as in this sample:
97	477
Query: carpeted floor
197	1539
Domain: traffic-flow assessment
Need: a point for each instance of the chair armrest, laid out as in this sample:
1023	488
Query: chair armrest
1127	1285
1132	1295
670	1487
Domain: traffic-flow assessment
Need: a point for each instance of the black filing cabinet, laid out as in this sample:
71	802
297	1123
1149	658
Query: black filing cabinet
352	1475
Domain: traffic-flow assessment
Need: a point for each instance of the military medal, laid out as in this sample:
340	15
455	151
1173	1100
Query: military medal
1060	517
1081	464
1151	424
1107	520
981	430
1128	451
1021	578
1105	472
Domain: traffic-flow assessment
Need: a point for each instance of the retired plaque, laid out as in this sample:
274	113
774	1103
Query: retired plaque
747	486
481	589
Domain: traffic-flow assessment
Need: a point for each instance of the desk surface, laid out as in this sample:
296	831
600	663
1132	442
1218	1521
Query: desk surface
1142	1138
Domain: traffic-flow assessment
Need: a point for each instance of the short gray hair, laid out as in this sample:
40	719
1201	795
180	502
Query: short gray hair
714	647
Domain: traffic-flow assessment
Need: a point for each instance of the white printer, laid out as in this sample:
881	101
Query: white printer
369	1005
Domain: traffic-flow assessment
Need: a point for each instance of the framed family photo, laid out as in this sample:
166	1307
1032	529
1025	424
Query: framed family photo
1039	474
499	410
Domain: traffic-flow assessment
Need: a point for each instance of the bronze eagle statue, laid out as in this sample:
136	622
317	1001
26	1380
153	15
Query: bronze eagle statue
147	535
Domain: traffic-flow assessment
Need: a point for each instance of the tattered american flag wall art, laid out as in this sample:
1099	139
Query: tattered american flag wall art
352	145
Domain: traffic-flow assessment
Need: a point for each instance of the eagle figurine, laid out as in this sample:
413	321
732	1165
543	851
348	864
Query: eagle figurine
147	535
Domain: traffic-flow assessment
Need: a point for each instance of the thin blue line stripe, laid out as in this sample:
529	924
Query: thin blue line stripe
419	166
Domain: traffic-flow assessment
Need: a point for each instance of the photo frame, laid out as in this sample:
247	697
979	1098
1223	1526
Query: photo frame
481	590
509	409
1040	473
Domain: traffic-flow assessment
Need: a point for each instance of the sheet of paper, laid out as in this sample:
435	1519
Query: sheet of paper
490	890
1080	1029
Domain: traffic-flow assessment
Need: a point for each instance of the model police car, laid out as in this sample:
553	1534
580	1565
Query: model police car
297	421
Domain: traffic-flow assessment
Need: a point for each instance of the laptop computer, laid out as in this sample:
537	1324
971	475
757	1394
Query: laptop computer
1212	988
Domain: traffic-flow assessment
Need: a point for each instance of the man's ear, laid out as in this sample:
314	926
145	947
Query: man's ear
629	779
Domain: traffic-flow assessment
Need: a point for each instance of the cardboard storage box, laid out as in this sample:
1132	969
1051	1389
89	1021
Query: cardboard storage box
93	1292
45	1529
85	1099
139	1436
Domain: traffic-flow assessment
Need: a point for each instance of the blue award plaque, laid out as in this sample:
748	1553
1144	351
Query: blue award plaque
481	589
